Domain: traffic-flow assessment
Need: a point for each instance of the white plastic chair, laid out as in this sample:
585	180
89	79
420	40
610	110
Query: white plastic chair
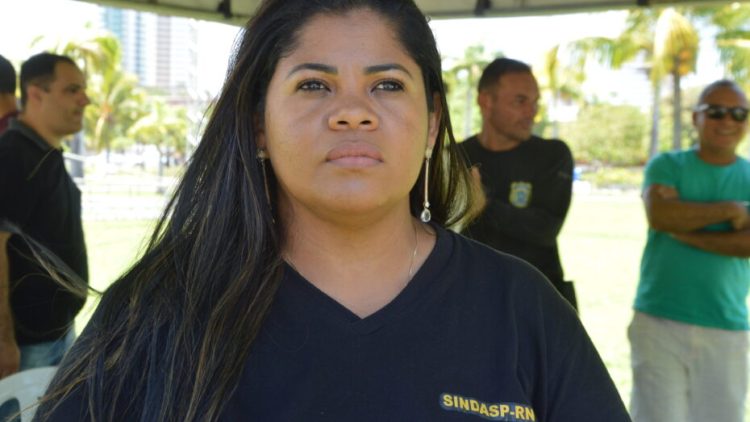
26	387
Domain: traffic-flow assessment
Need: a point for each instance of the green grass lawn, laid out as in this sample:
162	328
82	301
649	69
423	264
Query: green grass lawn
112	247
601	244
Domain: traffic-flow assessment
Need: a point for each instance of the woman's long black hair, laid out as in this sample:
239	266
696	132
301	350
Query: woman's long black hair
170	338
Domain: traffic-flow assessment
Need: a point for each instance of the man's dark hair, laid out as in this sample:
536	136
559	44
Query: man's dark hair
7	77
499	67
39	70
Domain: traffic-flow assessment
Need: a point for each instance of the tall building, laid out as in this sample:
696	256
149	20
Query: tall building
160	50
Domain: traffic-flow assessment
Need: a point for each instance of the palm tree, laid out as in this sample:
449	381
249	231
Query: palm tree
92	51
116	99
559	83
732	38
675	53
98	54
665	42
117	104
164	126
462	78
120	110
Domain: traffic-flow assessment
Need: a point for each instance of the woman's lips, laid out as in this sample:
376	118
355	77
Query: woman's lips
354	155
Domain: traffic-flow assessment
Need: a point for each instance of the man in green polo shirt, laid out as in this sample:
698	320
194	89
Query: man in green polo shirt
688	337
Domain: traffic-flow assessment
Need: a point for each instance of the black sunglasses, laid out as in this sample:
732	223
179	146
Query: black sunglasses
717	112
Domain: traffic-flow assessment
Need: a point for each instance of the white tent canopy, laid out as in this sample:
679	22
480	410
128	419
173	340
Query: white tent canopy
238	11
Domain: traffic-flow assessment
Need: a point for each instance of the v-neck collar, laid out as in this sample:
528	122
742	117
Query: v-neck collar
310	302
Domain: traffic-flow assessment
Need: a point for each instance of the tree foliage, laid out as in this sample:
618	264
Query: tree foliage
116	98
560	83
462	77
121	112
675	53
164	126
607	134
732	23
665	42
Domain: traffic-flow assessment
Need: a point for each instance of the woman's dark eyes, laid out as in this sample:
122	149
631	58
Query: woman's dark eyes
390	86
315	85
312	86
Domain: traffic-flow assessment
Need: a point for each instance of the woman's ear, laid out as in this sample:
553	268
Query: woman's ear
434	119
260	132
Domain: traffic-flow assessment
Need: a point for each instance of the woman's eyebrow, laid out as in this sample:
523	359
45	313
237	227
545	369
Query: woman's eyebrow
319	67
314	66
386	67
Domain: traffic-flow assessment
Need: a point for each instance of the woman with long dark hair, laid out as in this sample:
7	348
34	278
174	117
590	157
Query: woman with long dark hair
303	270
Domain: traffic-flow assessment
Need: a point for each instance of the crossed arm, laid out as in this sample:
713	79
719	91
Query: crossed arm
534	225
668	213
541	221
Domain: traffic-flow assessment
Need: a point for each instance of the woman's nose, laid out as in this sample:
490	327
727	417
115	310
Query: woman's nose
353	113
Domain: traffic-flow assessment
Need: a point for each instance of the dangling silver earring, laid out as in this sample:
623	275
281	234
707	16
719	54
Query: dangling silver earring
426	215
262	157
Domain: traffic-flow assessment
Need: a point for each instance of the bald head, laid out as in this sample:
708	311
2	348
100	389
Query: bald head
722	83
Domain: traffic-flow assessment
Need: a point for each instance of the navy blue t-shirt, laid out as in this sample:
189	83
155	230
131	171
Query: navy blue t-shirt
476	335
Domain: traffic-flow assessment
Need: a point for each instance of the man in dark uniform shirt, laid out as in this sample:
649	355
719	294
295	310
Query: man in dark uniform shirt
40	201
8	109
527	179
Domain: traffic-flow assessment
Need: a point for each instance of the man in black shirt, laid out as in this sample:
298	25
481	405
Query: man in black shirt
527	179
39	201
7	93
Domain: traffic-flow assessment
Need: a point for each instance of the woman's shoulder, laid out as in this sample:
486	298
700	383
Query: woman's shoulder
485	259
493	271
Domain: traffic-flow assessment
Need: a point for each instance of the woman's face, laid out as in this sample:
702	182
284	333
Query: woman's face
346	123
